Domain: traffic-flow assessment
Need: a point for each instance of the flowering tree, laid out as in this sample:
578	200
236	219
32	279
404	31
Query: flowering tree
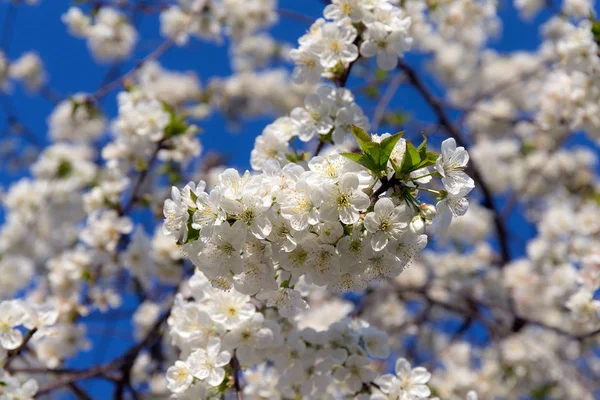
364	256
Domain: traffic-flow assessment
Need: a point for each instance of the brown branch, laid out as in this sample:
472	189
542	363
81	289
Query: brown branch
385	101
122	363
143	8
135	196
341	82
12	354
79	392
296	16
235	365
488	200
154	55
16	125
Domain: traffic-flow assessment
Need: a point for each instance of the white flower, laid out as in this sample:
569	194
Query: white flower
330	232
30	69
407	247
14	390
336	45
345	118
138	257
451	206
222	254
386	222
355	371
12	315
300	205
381	264
376	342
451	164
208	213
344	200
174	23
252	210
583	306
104	229
176	216
324	261
308	66
194	325
111	37
207	364
313	118
289	302
233	184
248	336
341	9
179	377
408	385
230	308
76	120
386	45
77	22
327	169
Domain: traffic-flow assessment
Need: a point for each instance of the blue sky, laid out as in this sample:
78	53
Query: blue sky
71	69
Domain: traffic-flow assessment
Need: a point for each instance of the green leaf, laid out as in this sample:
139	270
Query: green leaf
291	157
373	151
177	124
422	149
596	30
362	137
411	158
362	159
386	147
429	159
543	391
397	169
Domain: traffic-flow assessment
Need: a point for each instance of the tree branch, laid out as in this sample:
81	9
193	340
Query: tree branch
12	354
488	200
235	365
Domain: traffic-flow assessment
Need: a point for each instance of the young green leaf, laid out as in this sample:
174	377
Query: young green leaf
362	159
422	149
362	137
411	158
386	147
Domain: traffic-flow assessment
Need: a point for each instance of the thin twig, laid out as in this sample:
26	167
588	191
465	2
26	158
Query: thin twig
488	199
235	365
385	101
119	363
154	55
12	354
296	16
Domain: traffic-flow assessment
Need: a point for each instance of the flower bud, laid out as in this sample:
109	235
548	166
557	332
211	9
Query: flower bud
417	225
427	211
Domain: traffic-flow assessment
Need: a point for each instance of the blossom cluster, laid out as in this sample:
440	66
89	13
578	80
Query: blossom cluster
28	69
211	20
330	47
110	36
240	281
251	231
218	331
